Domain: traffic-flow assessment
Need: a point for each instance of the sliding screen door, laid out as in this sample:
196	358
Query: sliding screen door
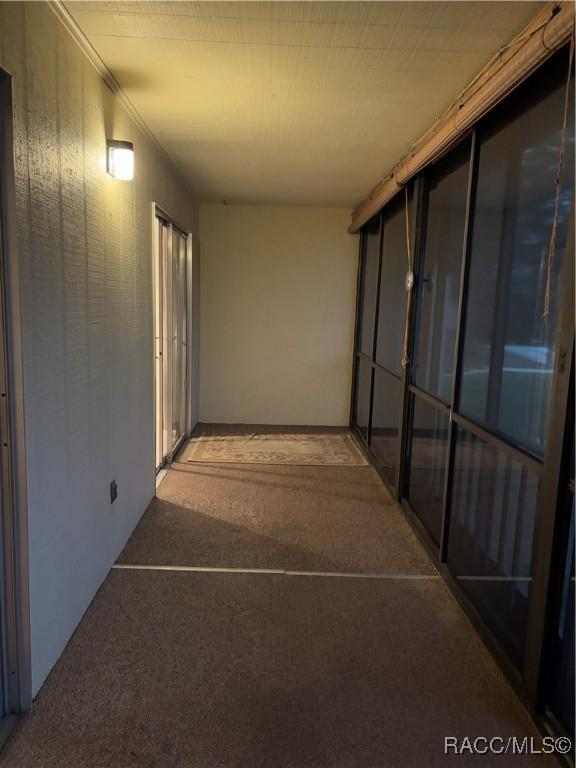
160	232
179	340
509	351
438	291
369	267
390	327
171	337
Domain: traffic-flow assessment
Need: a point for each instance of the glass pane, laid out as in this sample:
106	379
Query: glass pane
428	457
392	304
509	346
493	508
158	343
371	259
182	320
363	385
561	689
176	342
178	335
385	415
439	278
166	342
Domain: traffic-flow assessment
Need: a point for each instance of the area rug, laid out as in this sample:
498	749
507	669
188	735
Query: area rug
311	450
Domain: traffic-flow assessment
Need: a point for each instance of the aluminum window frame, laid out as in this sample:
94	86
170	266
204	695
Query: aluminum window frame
528	680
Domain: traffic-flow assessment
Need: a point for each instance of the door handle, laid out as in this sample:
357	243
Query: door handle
562	354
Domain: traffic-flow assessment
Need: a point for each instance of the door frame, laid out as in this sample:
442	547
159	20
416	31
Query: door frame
14	512
158	212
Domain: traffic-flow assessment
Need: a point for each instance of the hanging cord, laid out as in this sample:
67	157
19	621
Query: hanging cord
409	282
561	154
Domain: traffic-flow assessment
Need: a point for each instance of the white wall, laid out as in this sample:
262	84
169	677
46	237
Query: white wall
278	288
84	245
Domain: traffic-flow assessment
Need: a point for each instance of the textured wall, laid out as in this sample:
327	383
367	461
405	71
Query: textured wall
278	290
85	255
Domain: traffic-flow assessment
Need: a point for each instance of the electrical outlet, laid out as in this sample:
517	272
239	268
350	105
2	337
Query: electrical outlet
113	491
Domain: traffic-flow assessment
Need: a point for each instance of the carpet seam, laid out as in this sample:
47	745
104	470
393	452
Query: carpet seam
274	572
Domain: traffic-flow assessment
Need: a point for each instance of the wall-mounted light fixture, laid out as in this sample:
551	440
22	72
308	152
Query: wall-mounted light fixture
120	159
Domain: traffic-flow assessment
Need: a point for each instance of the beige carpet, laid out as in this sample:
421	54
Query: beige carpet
296	449
294	518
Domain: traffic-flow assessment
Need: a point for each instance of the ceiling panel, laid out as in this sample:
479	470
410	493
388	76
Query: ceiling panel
290	102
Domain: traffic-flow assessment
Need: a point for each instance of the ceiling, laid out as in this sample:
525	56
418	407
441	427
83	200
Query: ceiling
298	103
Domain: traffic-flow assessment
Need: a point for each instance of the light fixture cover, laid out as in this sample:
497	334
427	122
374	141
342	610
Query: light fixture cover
120	159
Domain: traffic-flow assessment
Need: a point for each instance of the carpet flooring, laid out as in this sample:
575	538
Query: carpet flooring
275	516
303	518
233	670
181	670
